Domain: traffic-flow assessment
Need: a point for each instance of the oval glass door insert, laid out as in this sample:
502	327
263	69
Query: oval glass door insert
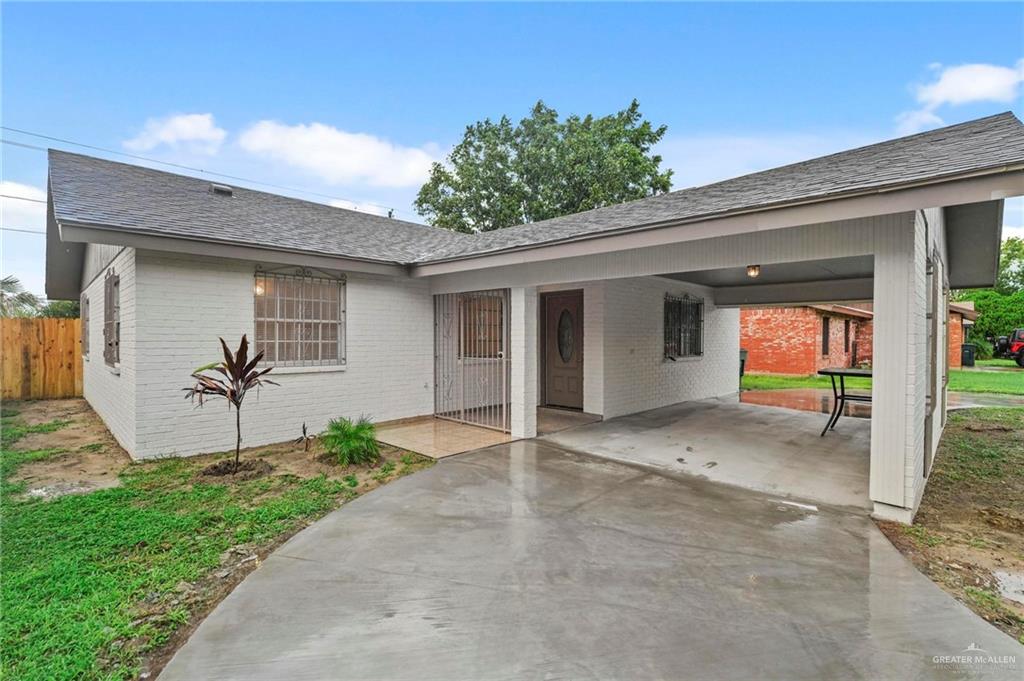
565	339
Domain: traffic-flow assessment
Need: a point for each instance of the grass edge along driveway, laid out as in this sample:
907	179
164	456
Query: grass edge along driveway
969	529
103	585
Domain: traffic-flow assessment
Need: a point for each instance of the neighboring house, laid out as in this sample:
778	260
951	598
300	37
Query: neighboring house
961	318
611	311
801	340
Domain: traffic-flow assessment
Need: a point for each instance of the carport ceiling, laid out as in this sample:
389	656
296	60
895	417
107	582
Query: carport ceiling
854	267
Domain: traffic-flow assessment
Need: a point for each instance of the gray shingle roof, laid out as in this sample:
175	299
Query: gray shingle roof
127	197
976	145
116	195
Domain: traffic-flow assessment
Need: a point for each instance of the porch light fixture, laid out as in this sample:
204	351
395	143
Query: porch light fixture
753	271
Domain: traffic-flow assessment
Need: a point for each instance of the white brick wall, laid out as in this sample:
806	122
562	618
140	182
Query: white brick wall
523	346
624	368
111	392
636	374
593	347
174	307
186	302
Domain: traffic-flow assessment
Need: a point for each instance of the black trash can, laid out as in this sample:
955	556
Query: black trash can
743	361
967	354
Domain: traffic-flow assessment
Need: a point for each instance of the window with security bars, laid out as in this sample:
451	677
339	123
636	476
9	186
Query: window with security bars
684	327
481	326
300	319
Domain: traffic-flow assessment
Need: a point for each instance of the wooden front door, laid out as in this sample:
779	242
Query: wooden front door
563	349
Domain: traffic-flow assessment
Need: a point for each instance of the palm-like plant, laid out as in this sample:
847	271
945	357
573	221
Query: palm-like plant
352	442
239	376
15	301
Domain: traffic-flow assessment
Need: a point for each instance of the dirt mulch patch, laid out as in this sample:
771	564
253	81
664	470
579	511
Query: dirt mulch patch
91	458
249	469
968	536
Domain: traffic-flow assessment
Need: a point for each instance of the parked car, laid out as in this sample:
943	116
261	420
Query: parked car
1011	347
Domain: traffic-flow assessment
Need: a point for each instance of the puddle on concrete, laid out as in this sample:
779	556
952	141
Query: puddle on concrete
803	399
820	400
1011	585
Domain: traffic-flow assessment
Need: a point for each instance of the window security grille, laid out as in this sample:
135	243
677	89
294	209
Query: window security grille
684	327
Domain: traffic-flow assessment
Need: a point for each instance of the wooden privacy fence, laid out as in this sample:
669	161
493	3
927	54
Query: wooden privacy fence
42	358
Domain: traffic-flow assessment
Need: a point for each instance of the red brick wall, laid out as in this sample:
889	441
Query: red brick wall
837	356
956	338
865	340
787	340
780	340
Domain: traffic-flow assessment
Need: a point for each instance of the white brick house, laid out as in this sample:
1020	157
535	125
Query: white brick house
611	311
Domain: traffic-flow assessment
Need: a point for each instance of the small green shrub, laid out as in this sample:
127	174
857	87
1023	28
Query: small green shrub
351	480
923	535
384	472
351	442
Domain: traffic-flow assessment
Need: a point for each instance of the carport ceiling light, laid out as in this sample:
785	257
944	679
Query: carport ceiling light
753	271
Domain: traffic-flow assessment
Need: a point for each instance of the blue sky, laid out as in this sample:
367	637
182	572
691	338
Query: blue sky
355	101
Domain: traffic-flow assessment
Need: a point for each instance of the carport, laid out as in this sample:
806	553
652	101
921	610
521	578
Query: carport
636	305
768	449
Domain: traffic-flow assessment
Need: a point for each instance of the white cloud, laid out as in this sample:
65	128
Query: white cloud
340	157
699	160
962	84
197	133
22	214
1013	218
361	207
972	83
909	122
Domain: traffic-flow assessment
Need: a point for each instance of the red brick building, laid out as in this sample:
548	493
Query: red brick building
961	318
802	340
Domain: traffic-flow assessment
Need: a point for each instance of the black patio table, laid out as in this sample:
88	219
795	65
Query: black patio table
839	394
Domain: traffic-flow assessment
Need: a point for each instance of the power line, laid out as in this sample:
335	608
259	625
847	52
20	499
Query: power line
22	144
26	231
183	167
21	198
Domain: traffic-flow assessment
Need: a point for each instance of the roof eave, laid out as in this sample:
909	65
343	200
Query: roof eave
64	260
1004	169
72	231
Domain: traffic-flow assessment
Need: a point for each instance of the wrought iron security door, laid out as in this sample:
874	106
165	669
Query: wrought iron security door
471	358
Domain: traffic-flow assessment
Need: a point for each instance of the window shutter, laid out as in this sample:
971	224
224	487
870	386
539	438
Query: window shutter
111	318
115	295
84	307
106	319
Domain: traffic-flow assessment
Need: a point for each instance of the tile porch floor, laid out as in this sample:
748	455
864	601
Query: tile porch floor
438	438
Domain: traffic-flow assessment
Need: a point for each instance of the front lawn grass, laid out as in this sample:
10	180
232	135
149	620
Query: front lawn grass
996	362
93	583
1005	382
970	525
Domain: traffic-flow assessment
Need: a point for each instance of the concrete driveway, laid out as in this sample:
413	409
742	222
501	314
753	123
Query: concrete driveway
526	560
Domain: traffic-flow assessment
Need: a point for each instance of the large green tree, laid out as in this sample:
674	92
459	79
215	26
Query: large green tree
1010	277
60	308
1001	308
502	174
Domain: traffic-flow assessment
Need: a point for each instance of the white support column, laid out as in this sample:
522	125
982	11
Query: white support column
523	347
897	422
